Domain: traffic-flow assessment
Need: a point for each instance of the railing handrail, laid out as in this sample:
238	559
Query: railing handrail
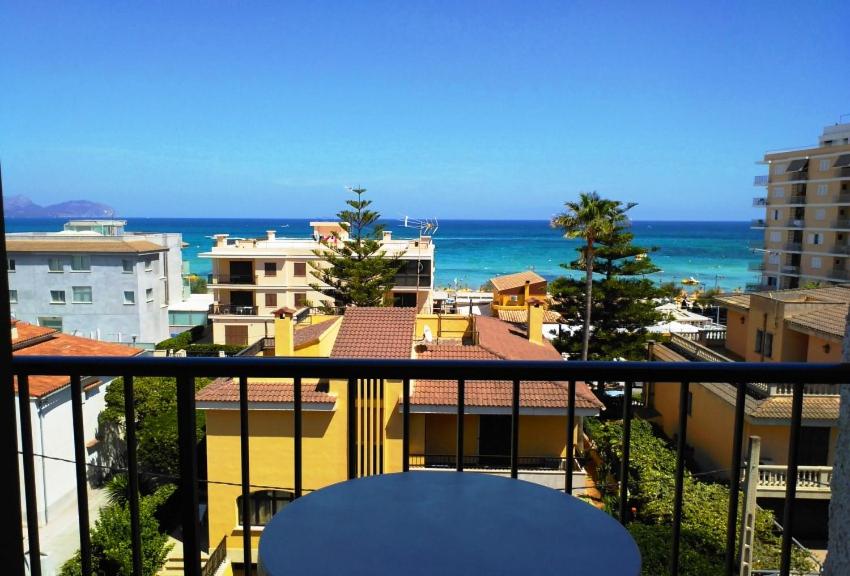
769	372
216	559
800	468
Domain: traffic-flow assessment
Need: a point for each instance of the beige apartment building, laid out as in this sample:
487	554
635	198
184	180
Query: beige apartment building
251	278
807	214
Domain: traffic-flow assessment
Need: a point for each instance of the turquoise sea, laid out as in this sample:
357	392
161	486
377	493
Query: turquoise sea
468	252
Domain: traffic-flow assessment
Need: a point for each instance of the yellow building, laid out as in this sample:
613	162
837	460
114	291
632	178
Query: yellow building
781	326
382	333
807	213
251	278
513	293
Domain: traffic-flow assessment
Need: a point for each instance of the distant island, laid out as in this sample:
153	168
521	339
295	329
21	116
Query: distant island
23	207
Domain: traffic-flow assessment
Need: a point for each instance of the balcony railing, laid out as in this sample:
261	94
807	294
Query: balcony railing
405	280
234	310
793	247
756	266
796	223
759	201
843	172
812	481
761	180
757	223
757	287
231	279
796	199
842	223
843	198
841	249
521	374
791	269
839	274
796	176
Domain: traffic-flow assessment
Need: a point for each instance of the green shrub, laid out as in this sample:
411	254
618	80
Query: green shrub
182	340
199	349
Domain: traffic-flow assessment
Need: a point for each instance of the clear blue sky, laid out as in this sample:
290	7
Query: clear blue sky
448	109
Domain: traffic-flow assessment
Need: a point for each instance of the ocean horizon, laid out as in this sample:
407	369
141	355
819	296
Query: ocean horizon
470	251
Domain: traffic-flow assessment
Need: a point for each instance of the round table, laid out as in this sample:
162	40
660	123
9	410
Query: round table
443	523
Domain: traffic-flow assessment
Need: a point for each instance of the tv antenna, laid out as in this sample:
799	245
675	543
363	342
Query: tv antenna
426	226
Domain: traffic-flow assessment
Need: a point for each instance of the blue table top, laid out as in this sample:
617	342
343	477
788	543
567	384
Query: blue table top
444	523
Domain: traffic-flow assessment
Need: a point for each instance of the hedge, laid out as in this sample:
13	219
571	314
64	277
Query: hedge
182	340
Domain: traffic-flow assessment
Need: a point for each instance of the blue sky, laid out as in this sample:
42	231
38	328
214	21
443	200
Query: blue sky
447	109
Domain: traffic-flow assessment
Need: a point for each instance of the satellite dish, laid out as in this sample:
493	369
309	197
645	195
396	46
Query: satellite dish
427	335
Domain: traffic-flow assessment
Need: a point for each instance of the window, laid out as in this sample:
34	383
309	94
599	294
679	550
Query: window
80	263
823	189
768	344
263	505
820	214
127	266
57	296
54	264
299	269
775	236
11	264
775	214
779	192
149	265
778	168
149	295
300	299
129	297
815	238
54	322
824	165
270	269
81	294
816	262
271	299
13	296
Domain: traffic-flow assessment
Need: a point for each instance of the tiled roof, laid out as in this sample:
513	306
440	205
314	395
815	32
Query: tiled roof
375	333
510	342
521	316
51	343
227	390
97	246
517	280
736	300
308	334
829	320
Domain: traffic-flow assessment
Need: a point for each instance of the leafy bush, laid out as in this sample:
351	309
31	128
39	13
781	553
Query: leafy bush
651	486
111	543
183	339
212	349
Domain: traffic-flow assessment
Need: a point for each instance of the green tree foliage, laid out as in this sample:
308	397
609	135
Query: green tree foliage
622	306
156	423
356	271
652	467
197	284
111	544
591	219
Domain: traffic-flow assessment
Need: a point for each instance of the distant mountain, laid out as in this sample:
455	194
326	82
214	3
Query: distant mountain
23	207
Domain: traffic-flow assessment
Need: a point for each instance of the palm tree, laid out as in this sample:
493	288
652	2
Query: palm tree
591	219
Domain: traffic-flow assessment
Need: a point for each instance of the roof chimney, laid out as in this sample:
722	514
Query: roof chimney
270	234
535	323
220	240
14	330
284	332
388	235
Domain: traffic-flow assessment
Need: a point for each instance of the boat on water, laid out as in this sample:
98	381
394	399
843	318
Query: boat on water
690	281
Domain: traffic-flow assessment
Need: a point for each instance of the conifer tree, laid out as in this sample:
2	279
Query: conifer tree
622	306
355	271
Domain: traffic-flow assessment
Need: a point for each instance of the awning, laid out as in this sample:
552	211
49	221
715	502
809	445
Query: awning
842	161
797	165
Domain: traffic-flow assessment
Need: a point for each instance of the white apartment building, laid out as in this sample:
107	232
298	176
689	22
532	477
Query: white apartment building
252	278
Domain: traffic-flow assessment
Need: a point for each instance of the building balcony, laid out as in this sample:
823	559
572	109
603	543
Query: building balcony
519	375
796	223
840	249
839	274
841	224
813	482
233	310
757	287
240	279
759	201
793	247
843	198
412	280
791	269
761	180
843	172
756	266
796	199
802	175
757	223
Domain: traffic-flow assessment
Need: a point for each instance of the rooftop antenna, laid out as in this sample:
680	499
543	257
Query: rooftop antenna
427	227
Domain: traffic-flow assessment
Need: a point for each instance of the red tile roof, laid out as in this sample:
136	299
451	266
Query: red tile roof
518	280
40	341
368	332
227	390
308	334
511	342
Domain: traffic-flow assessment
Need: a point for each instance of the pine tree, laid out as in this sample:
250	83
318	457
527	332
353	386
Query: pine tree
355	271
622	306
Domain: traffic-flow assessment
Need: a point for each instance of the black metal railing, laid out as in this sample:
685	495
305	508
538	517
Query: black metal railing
185	370
231	279
234	309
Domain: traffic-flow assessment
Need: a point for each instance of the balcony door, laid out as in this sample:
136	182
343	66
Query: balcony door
241	272
494	440
814	446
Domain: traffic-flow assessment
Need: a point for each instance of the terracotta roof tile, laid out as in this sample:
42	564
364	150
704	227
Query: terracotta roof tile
375	333
510	342
521	316
829	320
227	390
313	332
48	342
518	280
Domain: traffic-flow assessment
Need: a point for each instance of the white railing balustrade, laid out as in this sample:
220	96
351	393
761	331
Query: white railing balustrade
809	478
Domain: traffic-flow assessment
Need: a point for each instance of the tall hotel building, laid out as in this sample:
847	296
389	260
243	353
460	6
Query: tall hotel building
807	214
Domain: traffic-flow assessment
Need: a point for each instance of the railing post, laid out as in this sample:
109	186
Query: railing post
515	429
461	400
735	478
132	474
352	428
791	479
405	425
244	449
188	450
29	474
624	462
571	424
296	436
11	527
80	470
684	391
